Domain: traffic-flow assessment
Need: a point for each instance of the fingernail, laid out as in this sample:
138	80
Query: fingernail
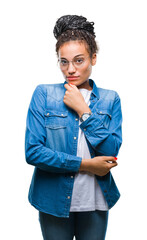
115	158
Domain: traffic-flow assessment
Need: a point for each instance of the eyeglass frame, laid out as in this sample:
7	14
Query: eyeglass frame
72	61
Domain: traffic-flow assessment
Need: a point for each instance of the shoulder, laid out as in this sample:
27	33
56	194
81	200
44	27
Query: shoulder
108	94
44	88
108	99
48	89
103	93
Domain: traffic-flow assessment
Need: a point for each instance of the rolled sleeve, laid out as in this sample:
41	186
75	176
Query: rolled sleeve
103	129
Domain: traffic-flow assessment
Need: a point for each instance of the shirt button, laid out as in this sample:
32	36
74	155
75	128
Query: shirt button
68	197
100	111
71	176
62	114
76	119
75	138
47	114
84	129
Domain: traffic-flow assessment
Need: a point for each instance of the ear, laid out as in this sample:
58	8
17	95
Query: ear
93	60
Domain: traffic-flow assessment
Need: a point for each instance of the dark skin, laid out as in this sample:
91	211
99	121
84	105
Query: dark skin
73	98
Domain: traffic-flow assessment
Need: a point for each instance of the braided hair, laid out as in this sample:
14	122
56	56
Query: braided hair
75	28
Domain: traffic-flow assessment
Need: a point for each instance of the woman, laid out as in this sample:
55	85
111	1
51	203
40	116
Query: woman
73	136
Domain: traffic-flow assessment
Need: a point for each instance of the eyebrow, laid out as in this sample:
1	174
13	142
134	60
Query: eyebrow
74	56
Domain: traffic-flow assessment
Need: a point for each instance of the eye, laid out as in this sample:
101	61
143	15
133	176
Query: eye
63	62
79	60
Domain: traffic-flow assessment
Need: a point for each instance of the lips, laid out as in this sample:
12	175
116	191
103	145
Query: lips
72	77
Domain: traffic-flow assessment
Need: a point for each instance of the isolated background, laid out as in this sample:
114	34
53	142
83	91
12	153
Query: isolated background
27	58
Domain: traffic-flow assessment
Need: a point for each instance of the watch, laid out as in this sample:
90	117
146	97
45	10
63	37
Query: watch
85	116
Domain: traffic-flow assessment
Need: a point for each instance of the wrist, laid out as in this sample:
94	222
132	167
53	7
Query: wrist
84	110
85	163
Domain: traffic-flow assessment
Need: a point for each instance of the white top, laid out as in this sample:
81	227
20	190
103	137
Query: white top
87	194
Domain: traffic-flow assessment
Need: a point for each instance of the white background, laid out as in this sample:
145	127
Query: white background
28	58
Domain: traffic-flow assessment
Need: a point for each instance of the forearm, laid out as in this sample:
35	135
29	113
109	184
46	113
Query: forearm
100	137
104	142
100	165
85	165
83	109
103	130
51	161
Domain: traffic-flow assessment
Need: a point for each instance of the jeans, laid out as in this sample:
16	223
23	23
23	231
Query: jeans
90	225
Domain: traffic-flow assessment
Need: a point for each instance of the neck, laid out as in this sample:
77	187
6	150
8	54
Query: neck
85	85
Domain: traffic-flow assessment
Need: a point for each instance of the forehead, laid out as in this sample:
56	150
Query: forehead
72	48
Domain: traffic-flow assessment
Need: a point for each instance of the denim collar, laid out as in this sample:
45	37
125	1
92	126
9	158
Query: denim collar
95	91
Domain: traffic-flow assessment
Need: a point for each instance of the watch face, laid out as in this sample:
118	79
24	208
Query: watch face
85	116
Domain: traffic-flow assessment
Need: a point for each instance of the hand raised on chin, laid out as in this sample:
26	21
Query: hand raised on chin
74	99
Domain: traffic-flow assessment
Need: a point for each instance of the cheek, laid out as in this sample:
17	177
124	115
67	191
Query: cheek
63	72
87	70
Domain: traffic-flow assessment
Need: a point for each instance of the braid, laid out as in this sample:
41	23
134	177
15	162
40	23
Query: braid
72	28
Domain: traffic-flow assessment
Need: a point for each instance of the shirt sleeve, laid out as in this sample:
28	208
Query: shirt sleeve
105	138
36	153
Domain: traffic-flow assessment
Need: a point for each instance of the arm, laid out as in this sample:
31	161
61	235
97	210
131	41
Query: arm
36	153
100	165
105	140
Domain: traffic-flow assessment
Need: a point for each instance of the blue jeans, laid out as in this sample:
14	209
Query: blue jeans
90	225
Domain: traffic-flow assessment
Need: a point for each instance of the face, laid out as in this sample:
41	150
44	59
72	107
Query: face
78	71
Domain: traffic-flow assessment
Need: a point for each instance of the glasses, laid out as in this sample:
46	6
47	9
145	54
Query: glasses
77	62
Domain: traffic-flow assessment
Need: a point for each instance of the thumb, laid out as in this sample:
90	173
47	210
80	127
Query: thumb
113	164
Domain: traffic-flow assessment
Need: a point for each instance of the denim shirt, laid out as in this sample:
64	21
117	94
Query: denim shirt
51	144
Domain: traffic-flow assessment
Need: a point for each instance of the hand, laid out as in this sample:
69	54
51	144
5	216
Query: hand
74	99
100	165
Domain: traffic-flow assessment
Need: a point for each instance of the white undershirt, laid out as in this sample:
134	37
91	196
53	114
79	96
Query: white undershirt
87	194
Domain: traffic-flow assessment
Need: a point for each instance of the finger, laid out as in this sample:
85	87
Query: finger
111	165
72	85
111	161
110	158
67	86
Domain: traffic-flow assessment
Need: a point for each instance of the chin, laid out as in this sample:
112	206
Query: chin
74	82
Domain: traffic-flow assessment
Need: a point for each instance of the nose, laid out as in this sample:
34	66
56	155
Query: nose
71	68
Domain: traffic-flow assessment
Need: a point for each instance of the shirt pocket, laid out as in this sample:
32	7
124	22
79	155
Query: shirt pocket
56	119
56	129
104	117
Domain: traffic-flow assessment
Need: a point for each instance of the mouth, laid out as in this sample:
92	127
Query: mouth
70	78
